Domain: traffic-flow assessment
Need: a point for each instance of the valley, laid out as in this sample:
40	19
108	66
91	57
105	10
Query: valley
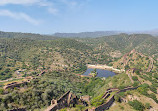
36	72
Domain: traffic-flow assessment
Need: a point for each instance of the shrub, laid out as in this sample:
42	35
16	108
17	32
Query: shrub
117	98
63	109
147	106
136	105
153	89
122	94
96	101
137	72
156	76
142	90
80	107
145	85
121	107
121	87
135	84
127	67
1	91
135	78
153	96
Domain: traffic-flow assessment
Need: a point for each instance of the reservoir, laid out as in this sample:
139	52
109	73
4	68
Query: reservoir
101	73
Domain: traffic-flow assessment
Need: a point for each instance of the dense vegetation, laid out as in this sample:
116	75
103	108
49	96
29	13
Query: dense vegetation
65	59
41	91
124	43
136	105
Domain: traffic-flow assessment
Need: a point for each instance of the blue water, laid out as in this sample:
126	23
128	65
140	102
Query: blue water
101	73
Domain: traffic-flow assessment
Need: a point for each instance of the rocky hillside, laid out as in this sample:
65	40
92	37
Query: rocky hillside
56	66
135	60
124	43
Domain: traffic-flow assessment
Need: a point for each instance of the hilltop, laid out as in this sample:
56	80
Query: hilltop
123	43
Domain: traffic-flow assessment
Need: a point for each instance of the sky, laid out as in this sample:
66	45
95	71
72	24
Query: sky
51	16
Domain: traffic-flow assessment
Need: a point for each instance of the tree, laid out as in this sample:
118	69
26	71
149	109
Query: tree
127	67
137	72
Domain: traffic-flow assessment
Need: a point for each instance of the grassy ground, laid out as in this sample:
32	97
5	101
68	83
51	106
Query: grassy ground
120	107
126	107
143	99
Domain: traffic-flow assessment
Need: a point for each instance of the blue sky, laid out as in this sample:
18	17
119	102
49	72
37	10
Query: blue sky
50	16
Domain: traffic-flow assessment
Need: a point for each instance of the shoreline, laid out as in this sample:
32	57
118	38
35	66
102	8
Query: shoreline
98	66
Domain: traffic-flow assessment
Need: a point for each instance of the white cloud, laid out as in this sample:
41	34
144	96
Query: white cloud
19	16
50	5
42	3
19	2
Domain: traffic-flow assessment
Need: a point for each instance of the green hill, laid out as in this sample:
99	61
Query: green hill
124	43
56	65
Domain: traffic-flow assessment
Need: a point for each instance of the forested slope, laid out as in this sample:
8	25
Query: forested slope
63	60
124	43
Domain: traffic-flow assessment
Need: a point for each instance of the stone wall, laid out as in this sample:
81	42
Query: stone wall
62	102
106	105
68	98
111	100
128	88
15	84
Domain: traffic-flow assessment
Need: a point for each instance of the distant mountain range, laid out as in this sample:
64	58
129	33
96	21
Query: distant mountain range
102	33
71	35
152	32
25	35
87	34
